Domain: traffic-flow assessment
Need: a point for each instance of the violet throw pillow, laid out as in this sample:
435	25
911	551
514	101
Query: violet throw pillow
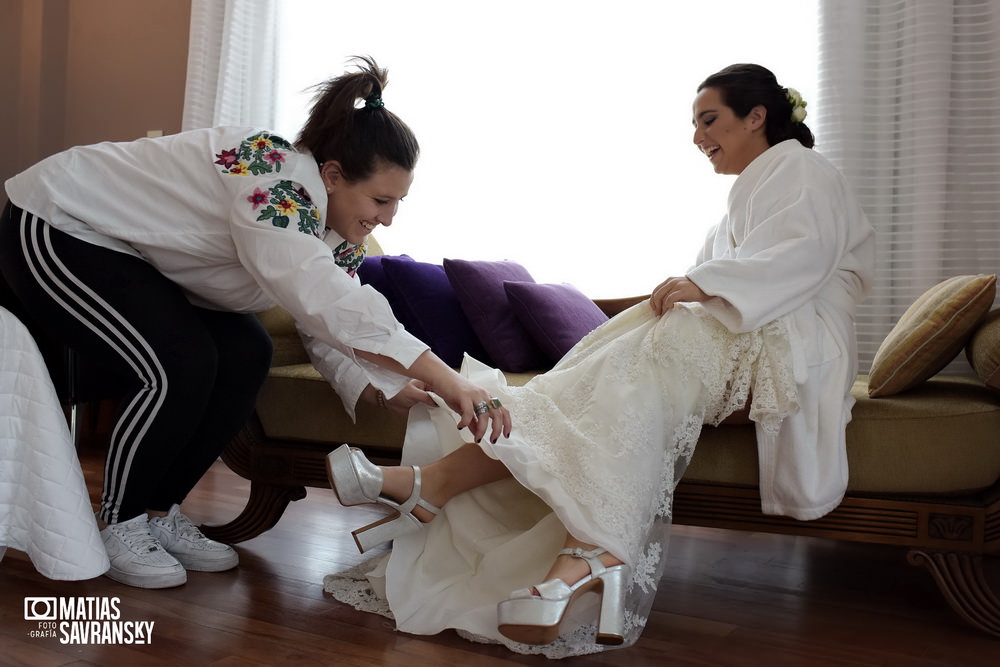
427	306
556	316
480	290
371	272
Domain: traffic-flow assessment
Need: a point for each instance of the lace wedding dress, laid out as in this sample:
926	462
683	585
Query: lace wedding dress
598	446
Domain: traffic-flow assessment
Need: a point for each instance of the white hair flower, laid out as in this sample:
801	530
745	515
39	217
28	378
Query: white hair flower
798	105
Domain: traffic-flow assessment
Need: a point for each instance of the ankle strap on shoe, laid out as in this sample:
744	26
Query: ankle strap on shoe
414	500
596	566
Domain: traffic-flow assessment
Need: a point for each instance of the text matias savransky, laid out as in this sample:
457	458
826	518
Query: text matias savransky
85	620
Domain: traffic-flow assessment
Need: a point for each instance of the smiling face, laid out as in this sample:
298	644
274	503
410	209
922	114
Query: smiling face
355	208
730	142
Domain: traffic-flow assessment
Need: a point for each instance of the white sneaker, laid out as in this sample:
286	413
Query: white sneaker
187	544
137	558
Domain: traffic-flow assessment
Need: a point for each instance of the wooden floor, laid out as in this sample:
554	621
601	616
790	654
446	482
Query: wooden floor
727	598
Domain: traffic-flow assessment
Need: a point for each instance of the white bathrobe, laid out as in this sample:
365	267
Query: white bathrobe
792	213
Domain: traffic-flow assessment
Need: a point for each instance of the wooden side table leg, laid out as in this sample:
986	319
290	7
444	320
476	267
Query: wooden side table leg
961	580
265	506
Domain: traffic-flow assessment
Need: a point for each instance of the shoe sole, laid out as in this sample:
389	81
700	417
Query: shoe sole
147	581
207	566
536	635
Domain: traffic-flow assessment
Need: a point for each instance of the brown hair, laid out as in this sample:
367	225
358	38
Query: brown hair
357	136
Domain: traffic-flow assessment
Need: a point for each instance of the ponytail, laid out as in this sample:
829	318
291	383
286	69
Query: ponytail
348	122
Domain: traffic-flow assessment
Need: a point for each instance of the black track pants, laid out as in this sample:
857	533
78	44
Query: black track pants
193	373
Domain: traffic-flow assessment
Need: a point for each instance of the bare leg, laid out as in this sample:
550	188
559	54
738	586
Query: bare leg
464	469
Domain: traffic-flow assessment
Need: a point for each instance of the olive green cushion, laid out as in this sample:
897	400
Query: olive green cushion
296	403
939	437
284	336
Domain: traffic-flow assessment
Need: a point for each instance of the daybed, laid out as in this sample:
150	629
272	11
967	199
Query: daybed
924	459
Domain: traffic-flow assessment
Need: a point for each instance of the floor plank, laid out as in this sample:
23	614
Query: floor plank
726	599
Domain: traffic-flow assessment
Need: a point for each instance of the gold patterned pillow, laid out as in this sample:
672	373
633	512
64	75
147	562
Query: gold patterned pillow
930	333
983	350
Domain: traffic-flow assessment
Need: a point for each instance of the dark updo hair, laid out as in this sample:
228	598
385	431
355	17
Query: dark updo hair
742	87
357	136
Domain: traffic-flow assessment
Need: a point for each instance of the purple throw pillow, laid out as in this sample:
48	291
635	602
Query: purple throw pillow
479	288
556	316
371	272
427	306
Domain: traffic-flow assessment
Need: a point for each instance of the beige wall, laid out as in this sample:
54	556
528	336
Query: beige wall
82	71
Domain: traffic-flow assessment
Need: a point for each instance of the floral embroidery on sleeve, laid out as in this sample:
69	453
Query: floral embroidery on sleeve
349	257
259	154
282	202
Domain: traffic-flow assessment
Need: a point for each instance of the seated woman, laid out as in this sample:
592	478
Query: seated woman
577	496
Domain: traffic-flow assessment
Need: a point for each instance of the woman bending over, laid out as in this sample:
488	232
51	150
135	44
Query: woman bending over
151	257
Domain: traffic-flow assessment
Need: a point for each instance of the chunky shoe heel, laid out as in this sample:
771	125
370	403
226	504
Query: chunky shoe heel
533	616
357	481
385	529
611	622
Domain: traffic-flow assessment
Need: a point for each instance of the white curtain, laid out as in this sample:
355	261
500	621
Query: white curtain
508	143
910	91
232	59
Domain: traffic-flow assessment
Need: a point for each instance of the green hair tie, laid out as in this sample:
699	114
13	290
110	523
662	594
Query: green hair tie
374	103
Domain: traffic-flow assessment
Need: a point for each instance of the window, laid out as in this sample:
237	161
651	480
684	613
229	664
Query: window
556	133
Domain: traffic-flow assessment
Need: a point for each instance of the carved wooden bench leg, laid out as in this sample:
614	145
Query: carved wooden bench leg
961	580
265	506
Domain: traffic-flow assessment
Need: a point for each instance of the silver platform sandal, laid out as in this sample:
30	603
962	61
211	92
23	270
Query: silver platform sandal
357	481
532	616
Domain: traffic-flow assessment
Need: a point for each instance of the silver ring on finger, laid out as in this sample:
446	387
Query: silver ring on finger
481	408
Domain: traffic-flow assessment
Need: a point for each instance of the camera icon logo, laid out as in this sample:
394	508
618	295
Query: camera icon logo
40	609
